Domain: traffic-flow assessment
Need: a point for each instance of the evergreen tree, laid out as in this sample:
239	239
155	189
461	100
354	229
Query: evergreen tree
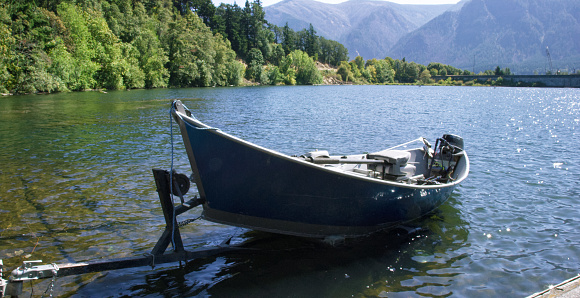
232	14
255	61
312	46
277	54
278	35
289	36
204	9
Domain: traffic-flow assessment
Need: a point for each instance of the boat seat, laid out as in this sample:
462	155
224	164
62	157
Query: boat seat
395	159
399	157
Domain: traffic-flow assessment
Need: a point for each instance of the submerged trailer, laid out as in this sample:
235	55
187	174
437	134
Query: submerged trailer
167	183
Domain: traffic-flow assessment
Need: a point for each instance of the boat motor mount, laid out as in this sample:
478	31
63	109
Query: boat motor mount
445	157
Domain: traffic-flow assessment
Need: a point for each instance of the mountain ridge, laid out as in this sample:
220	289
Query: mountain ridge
351	23
473	34
513	33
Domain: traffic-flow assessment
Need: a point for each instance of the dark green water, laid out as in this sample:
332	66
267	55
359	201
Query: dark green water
76	185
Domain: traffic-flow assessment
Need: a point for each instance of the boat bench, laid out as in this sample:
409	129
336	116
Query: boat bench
396	159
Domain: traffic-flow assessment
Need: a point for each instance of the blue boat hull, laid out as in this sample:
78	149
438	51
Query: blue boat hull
250	186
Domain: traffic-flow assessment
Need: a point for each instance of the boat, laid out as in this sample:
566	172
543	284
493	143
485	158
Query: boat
316	194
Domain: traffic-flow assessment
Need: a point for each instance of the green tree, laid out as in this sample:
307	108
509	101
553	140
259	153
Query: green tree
344	70
109	55
436	68
257	25
274	75
332	52
302	67
452	70
231	15
278	35
184	67
7	45
27	36
357	66
204	9
131	72
63	65
256	60
234	72
277	54
152	59
433	72
425	77
411	71
384	72
359	62
79	42
312	45
289	39
197	57
150	55
114	17
370	74
264	42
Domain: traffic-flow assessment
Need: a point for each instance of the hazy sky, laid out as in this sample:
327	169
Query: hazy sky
270	2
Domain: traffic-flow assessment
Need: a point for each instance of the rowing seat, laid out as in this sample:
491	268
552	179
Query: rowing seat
395	159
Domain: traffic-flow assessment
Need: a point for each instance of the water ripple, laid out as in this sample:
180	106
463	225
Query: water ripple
76	184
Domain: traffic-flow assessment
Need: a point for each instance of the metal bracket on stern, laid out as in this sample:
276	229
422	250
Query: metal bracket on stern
162	178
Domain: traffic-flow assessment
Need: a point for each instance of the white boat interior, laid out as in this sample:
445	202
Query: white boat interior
419	165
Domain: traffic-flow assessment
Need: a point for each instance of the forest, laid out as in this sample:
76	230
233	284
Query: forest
75	45
55	46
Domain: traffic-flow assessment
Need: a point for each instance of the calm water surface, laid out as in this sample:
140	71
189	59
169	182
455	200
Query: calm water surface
76	185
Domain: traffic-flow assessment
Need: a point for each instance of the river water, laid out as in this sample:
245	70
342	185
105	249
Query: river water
76	185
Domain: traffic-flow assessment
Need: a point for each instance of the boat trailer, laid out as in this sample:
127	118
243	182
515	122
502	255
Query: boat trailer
33	270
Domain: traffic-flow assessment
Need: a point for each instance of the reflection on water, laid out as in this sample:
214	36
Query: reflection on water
76	185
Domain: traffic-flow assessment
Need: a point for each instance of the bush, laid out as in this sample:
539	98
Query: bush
234	73
298	68
344	72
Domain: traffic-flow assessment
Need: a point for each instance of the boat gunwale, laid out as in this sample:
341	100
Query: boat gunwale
198	124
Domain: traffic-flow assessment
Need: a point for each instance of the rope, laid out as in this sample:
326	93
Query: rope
175	223
171	178
404	144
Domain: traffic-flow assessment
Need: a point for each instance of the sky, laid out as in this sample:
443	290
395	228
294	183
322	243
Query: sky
270	2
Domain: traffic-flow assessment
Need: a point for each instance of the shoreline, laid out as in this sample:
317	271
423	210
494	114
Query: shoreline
449	81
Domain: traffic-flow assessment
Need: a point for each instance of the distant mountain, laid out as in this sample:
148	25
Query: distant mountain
368	28
473	35
488	33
